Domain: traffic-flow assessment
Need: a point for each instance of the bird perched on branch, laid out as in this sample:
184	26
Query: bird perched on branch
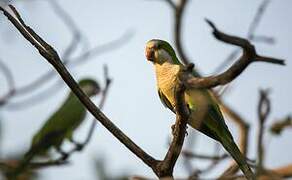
59	126
205	114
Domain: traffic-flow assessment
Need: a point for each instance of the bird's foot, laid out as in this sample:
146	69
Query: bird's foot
64	156
79	146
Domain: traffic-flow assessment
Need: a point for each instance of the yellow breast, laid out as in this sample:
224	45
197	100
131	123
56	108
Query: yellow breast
166	76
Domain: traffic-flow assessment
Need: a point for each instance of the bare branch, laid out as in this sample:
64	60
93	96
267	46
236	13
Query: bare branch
284	171
257	19
74	62
267	174
8	165
189	154
76	32
10	82
171	3
250	34
249	55
280	125
179	11
70	62
264	108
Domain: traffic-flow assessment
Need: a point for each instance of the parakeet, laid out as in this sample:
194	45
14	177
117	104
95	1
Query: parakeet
60	125
205	114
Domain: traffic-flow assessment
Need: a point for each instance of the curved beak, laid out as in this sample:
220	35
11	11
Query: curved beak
149	53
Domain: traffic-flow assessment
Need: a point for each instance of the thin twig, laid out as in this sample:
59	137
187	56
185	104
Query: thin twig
179	12
8	165
250	35
264	108
70	62
74	62
277	127
189	154
76	32
10	83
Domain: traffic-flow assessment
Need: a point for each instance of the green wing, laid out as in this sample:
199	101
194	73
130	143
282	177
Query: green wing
62	123
165	101
214	125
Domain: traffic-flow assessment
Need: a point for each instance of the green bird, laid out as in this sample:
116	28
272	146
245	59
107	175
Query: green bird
59	126
205	114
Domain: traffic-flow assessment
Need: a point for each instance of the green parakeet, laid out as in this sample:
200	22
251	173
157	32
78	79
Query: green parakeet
60	125
205	114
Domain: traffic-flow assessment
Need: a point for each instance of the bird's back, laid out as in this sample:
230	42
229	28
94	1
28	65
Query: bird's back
62	122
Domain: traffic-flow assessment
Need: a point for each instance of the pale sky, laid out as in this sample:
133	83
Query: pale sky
133	103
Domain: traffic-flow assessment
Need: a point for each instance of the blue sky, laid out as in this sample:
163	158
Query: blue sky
133	103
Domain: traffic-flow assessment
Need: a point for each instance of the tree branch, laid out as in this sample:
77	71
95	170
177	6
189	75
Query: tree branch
189	154
280	125
67	60
264	108
179	11
250	34
10	82
249	55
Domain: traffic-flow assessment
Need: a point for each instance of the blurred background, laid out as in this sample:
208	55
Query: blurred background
114	33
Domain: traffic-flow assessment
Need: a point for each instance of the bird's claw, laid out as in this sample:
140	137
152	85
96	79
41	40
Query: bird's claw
79	146
64	156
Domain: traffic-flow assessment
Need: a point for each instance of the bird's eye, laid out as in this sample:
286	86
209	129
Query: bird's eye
158	46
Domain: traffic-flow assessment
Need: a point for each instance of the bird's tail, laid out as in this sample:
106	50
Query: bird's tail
233	150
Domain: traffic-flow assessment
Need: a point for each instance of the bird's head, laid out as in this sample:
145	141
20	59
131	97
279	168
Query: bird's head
89	86
160	51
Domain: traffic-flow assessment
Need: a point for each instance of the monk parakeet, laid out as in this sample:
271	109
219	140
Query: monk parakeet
205	114
60	125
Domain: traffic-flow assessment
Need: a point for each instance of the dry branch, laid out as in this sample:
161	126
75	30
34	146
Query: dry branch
277	127
249	56
250	34
83	57
264	108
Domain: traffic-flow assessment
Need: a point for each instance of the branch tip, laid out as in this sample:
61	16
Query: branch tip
211	24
